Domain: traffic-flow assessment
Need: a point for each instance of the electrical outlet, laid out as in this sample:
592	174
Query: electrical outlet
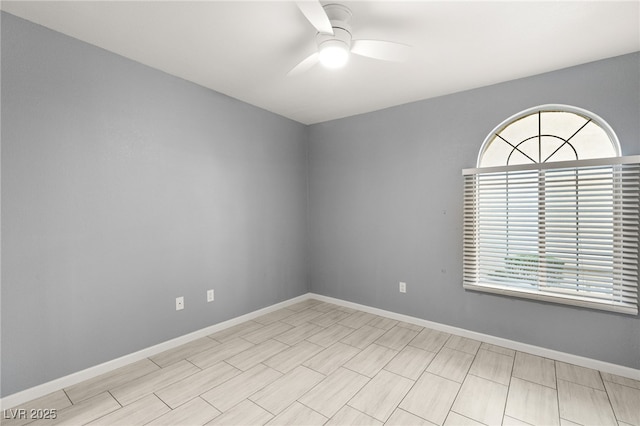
179	303
210	296
402	287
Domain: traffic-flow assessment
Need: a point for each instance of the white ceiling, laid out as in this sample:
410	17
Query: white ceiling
245	49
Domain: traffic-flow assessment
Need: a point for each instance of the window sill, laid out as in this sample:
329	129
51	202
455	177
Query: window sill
565	299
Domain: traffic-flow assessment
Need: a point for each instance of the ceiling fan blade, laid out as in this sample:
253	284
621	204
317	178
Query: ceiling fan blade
305	65
383	50
314	12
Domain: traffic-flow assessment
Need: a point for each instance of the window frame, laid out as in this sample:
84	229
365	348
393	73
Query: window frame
552	108
558	295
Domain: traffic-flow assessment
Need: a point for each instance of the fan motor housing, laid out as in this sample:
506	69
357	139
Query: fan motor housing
338	13
339	16
339	34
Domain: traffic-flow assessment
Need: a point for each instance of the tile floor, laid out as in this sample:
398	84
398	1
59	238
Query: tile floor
315	363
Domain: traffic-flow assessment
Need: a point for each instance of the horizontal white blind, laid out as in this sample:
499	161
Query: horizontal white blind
564	232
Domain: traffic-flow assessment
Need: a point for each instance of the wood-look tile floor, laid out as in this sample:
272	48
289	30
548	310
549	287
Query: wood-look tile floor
316	363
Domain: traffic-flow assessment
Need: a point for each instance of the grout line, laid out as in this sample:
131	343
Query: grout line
619	384
490	380
256	403
106	414
506	401
489	347
170	409
159	366
555	373
535	383
154	393
467	417
115	399
457	393
187	360
359	411
413	414
408	392
357	372
210	404
305	405
67	395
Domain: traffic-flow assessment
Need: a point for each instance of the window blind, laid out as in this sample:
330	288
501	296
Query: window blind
565	232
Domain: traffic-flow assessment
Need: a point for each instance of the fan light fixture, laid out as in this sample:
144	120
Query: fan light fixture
333	54
334	42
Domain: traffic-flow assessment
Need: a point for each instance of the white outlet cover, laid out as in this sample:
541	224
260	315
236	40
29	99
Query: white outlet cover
179	303
210	296
403	287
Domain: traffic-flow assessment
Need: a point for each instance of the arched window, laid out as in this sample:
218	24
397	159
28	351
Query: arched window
551	212
548	134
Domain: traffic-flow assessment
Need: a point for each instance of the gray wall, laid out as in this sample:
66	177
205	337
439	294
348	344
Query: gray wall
386	206
123	188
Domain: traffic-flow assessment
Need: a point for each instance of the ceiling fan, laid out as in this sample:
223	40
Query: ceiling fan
334	39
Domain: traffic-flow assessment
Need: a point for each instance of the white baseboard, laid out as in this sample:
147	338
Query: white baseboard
594	364
26	395
18	398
